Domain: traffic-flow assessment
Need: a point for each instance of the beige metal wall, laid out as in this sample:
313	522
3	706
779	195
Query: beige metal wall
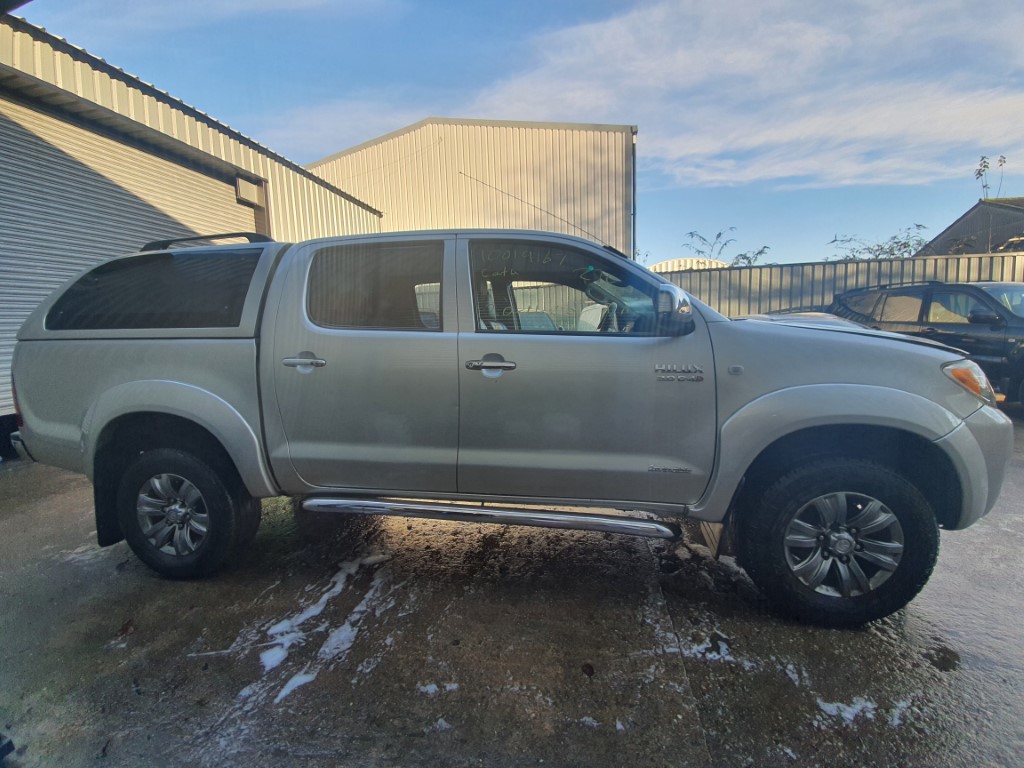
444	173
94	163
70	199
44	67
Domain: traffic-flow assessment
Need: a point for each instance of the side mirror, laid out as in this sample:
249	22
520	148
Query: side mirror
675	314
984	317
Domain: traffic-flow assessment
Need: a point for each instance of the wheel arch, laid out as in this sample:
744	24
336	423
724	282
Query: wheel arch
125	436
914	457
894	427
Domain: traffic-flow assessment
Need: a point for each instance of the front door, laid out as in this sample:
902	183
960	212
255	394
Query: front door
566	390
948	320
365	367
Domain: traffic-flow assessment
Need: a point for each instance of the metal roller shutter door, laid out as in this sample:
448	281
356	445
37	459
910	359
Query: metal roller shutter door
70	198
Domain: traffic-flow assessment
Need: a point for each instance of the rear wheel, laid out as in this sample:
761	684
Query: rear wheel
181	517
840	542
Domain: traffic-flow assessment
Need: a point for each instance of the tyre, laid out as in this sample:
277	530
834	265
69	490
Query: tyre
181	517
839	542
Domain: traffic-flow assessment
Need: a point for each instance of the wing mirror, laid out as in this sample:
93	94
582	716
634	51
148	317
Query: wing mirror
984	317
675	314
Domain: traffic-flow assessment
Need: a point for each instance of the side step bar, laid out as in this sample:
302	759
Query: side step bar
538	518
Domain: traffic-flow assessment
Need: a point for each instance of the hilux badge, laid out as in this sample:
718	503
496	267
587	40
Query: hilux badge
693	372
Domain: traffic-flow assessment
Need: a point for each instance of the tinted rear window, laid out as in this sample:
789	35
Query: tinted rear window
390	286
863	303
196	289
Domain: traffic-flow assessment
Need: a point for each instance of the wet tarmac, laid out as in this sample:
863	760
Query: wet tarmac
387	642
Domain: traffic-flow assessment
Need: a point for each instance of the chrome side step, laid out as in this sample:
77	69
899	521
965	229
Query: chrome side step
538	518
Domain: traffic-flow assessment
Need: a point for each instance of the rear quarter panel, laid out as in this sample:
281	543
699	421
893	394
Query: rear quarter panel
70	389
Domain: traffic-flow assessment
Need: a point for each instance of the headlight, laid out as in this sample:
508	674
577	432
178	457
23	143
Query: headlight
969	376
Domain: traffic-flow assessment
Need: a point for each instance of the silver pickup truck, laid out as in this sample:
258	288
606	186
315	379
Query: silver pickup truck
500	377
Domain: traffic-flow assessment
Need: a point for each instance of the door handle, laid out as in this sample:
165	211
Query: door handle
490	365
299	362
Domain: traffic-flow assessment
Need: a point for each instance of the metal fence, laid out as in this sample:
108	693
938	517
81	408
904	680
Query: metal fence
790	287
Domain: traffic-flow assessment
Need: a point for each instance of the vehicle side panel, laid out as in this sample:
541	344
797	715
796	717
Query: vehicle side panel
70	389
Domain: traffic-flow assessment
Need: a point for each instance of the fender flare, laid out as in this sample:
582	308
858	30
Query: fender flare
749	431
191	403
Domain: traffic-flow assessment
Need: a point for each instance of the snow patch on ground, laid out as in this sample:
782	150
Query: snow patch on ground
441	725
433	689
339	642
897	713
277	640
83	555
300	679
715	647
799	677
849	712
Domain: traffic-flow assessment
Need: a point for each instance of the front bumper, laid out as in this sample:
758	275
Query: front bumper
981	449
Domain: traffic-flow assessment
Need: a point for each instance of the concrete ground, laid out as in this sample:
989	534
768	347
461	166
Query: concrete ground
385	642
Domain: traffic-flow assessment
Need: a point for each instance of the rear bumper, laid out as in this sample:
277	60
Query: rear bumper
19	447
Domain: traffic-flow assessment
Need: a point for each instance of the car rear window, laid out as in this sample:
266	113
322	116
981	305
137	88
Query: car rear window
863	303
186	289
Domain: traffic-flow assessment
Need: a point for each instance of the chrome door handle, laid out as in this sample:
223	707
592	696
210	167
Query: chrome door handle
490	365
298	362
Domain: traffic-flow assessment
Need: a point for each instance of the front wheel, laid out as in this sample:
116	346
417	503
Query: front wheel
839	542
180	516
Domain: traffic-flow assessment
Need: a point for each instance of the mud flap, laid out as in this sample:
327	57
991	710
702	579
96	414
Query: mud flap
108	529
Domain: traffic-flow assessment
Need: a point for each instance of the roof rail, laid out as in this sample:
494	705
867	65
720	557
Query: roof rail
252	237
897	285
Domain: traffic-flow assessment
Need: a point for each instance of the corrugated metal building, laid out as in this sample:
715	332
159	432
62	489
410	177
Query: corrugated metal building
95	162
445	173
990	226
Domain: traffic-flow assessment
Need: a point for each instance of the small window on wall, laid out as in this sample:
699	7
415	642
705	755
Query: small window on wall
196	289
536	287
377	286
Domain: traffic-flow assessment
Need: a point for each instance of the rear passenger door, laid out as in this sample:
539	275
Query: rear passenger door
362	358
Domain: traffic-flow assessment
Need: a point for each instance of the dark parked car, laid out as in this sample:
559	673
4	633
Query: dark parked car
986	320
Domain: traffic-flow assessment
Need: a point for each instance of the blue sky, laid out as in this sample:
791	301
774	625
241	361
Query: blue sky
791	120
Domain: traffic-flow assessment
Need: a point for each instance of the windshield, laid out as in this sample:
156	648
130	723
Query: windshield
1010	295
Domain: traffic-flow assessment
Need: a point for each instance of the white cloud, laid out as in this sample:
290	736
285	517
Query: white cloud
785	91
731	92
307	134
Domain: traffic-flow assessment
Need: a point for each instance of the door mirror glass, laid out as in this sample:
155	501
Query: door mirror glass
675	313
